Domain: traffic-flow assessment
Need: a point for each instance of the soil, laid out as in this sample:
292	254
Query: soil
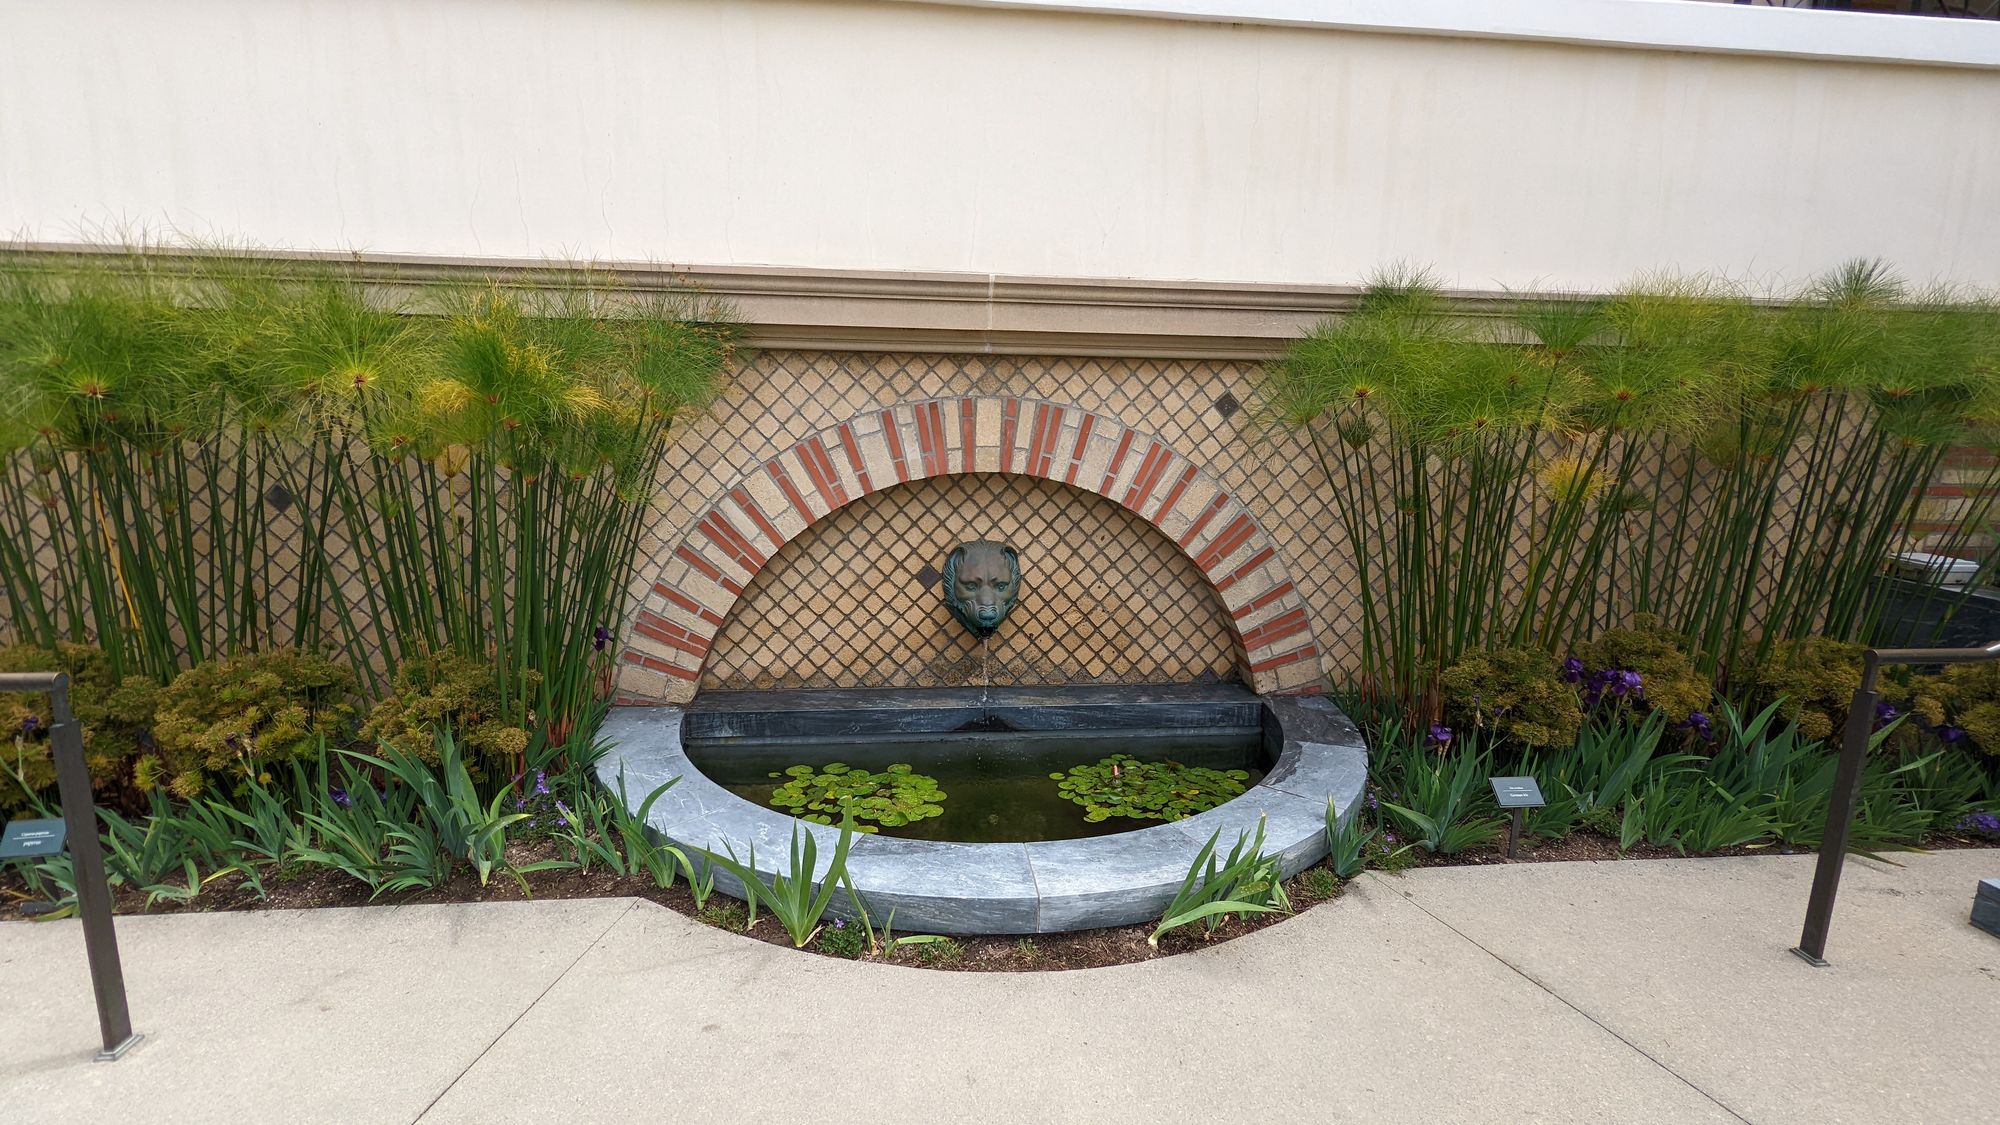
318	887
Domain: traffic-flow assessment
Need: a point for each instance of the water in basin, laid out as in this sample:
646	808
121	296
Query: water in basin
996	783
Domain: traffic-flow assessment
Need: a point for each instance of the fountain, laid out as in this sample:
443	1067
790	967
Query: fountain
1005	851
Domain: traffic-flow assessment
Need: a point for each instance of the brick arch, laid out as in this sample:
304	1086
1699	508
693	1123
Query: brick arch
737	533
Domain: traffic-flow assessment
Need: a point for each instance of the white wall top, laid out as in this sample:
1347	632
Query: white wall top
1663	25
1026	141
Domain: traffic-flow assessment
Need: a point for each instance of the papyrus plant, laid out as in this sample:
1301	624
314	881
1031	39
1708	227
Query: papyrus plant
465	469
1735	469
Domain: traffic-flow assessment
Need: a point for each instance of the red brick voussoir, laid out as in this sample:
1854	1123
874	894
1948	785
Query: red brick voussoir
702	574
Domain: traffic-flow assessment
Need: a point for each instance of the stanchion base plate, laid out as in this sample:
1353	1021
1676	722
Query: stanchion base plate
1815	962
115	1053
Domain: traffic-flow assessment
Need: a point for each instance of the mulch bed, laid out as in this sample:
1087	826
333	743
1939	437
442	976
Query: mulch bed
318	887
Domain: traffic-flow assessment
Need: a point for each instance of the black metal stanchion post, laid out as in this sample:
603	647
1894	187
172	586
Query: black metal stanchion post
1847	783
93	894
1840	818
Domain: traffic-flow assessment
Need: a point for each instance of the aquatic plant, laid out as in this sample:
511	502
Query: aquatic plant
890	799
1121	785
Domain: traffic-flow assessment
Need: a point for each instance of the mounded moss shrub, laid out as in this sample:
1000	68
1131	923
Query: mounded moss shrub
451	692
1669	682
1512	693
236	716
1815	679
1963	697
112	713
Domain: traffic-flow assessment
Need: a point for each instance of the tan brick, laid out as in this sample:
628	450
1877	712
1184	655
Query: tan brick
641	682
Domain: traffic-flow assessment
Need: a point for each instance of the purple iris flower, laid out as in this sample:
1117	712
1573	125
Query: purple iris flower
1441	735
30	724
839	923
1949	734
1700	723
541	783
600	637
1982	822
1572	670
1885	713
341	798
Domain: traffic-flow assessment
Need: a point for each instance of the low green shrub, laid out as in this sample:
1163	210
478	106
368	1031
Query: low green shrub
842	940
458	695
1961	704
1348	841
237	716
1517	694
1813	681
1122	785
890	799
112	714
1668	680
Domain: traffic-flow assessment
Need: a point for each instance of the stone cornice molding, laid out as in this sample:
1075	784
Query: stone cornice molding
903	311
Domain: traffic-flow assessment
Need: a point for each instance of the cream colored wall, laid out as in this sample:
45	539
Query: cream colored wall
902	136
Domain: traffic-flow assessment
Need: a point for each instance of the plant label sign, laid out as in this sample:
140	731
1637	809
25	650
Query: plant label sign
1517	793
25	838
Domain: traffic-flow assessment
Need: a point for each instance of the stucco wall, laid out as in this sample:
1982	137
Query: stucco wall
910	137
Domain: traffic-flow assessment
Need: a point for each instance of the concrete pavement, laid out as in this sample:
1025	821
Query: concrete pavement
1626	992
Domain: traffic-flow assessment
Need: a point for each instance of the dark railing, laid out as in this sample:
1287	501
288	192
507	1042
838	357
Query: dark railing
1847	782
93	894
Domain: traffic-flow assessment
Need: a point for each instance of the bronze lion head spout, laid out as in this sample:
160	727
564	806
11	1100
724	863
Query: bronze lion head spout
982	580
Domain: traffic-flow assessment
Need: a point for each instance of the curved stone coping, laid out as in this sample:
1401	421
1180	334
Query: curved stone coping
1011	888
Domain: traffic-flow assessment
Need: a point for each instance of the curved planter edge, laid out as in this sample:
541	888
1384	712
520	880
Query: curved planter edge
1044	886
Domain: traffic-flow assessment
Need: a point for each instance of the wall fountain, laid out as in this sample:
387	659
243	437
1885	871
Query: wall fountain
993	837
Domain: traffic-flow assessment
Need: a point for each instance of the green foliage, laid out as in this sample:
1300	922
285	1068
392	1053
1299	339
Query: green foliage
932	949
1121	785
1734	469
596	830
1512	693
1965	696
450	822
112	713
1814	681
1699	816
484	468
1586	784
237	716
1322	883
459	696
1437	797
1217	889
890	799
1347	842
843	940
1673	685
799	895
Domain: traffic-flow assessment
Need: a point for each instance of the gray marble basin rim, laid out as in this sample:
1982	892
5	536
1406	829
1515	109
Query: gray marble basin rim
1008	888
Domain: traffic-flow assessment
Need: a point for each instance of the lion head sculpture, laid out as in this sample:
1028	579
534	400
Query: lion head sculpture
982	580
